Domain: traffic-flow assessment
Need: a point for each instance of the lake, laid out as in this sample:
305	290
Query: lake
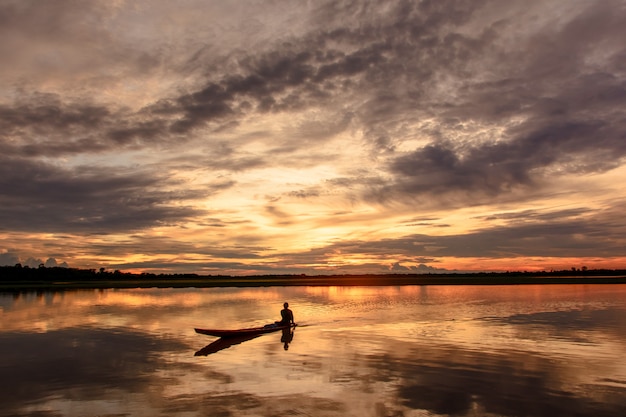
527	350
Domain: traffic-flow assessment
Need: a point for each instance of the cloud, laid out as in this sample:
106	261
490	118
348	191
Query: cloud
9	258
567	123
43	197
419	269
51	263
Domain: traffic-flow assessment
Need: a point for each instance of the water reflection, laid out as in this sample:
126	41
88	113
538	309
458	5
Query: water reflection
287	337
452	381
224	343
77	364
385	351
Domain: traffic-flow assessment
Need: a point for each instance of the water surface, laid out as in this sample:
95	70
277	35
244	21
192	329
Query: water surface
359	351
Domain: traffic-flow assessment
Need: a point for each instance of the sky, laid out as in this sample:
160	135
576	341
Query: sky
315	137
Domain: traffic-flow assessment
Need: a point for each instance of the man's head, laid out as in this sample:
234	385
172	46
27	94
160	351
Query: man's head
286	305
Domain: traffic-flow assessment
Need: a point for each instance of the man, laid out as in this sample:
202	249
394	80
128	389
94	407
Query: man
286	315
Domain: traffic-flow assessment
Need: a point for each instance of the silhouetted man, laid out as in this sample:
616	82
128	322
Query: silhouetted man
286	315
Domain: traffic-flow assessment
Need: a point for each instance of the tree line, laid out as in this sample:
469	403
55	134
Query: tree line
43	273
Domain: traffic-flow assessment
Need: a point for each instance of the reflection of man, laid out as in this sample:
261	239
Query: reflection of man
287	337
286	315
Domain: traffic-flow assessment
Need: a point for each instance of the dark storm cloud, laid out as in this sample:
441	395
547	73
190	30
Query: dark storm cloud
40	197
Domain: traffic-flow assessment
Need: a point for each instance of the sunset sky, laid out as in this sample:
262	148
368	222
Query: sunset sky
318	137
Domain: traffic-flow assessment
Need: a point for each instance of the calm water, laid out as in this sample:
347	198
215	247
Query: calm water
360	351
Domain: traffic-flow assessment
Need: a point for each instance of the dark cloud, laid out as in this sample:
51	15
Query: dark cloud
43	197
44	112
494	169
48	127
9	258
421	268
568	106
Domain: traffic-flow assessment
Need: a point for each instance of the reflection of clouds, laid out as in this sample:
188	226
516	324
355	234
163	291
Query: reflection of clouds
576	325
459	382
571	319
78	363
175	308
449	373
341	293
134	297
239	403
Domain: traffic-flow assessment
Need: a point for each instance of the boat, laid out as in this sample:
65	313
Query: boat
268	328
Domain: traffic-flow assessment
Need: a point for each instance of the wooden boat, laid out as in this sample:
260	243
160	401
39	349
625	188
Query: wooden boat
268	328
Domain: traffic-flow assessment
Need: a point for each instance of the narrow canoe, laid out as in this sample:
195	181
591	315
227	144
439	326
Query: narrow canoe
268	328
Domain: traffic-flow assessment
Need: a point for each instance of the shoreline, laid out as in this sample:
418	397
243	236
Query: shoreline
304	281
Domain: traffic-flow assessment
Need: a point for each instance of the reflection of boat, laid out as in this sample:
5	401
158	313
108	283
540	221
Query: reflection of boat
268	328
234	337
224	343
